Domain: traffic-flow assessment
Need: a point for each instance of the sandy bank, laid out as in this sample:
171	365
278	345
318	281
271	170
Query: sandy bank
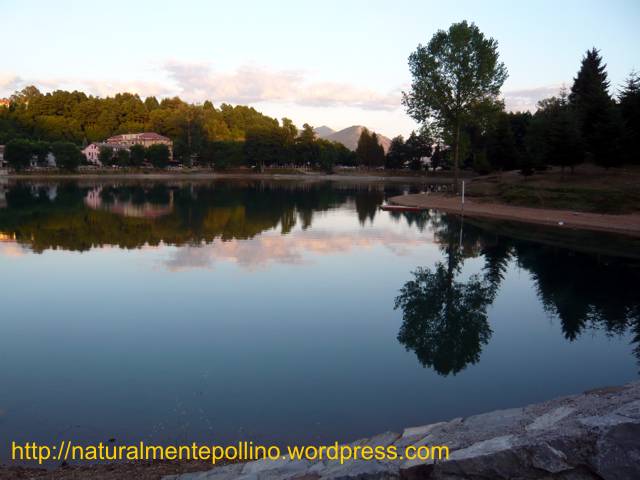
628	224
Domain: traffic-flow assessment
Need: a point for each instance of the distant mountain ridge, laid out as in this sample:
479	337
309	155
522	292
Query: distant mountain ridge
349	136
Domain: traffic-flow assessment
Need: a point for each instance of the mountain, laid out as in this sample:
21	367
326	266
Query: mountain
324	131
349	136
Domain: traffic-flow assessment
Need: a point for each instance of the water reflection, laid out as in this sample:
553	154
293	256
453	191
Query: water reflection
445	320
445	317
79	217
200	307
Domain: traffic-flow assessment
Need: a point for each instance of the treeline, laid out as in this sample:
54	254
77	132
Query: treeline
21	153
156	155
228	136
585	124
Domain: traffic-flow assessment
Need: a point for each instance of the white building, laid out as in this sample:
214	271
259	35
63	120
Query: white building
92	152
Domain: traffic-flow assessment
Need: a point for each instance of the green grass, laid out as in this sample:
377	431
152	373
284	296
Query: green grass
570	198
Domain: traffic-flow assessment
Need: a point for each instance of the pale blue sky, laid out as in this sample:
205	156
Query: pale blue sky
334	62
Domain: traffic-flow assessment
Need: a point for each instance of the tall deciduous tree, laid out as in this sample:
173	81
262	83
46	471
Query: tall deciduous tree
105	155
455	71
18	154
158	155
67	154
137	154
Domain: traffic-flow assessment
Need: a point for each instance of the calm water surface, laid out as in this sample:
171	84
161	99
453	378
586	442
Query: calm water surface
290	311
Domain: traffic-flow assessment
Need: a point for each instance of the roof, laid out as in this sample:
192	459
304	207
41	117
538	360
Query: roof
138	136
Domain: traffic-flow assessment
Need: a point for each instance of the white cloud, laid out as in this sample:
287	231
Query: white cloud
10	83
528	98
245	85
292	249
251	84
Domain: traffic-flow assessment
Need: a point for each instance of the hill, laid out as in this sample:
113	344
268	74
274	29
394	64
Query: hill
324	131
349	136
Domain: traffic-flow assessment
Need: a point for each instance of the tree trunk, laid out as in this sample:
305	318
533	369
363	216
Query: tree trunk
456	159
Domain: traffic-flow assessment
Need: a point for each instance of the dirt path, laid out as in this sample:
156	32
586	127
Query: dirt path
628	224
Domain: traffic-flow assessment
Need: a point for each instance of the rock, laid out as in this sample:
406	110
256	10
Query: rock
591	436
618	453
547	420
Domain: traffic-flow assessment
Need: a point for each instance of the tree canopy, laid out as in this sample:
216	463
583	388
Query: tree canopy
455	72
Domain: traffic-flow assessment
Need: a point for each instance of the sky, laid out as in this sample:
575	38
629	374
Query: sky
335	63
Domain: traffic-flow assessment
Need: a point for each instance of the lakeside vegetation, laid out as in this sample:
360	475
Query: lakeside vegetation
454	95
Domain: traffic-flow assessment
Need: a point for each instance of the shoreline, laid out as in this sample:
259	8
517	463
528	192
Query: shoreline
627	224
235	176
579	435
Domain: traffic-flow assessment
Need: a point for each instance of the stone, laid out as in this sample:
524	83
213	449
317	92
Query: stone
591	436
618	453
549	419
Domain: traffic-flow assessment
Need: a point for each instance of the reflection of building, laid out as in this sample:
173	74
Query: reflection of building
3	192
127	208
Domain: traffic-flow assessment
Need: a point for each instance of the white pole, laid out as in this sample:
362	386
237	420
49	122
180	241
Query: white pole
463	194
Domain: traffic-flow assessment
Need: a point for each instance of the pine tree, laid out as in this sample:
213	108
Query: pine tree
595	110
396	156
501	145
369	152
630	112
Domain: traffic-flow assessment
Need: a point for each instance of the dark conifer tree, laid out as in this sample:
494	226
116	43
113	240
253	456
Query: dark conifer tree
501	145
396	156
630	111
595	110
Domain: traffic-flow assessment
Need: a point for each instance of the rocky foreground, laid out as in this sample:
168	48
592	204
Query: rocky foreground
594	436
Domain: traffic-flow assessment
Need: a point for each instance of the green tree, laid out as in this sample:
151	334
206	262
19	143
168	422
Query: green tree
597	116
456	71
41	150
417	147
105	155
307	148
555	134
18	154
437	158
368	151
137	154
630	111
396	155
122	157
68	155
158	155
501	145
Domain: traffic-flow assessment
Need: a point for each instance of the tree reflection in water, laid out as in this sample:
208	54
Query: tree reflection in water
445	320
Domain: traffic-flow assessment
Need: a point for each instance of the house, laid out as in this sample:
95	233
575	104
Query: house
5	102
92	152
146	139
3	164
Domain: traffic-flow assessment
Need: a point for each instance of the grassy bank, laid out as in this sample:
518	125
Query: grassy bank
588	189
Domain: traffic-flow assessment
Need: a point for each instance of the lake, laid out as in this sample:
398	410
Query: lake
290	311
